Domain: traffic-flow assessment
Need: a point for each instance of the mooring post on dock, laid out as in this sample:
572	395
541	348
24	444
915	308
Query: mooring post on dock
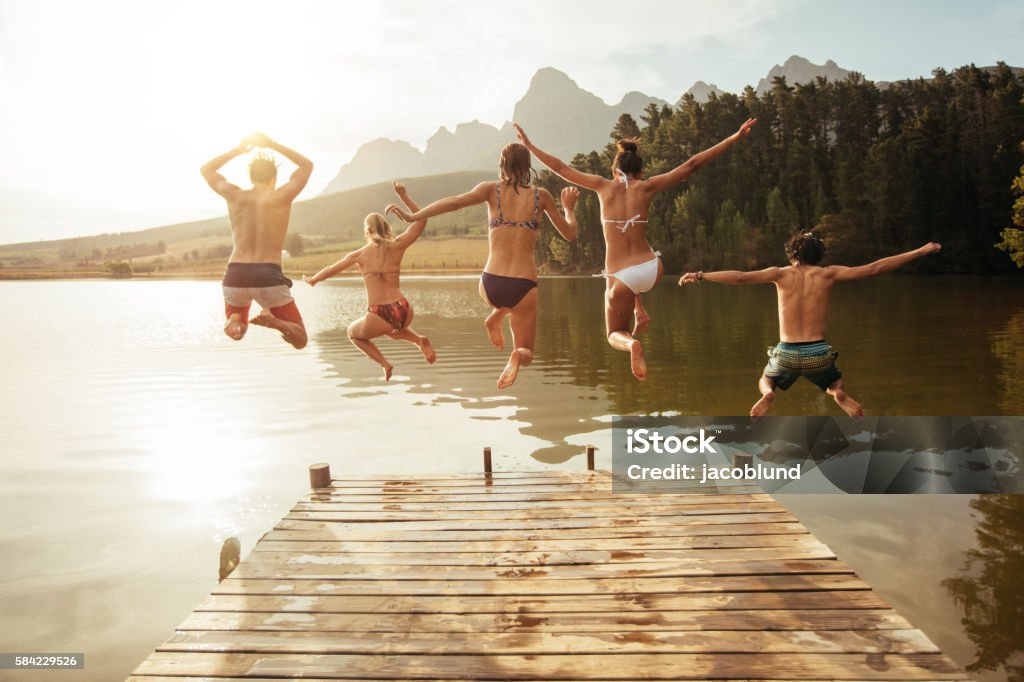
741	459
590	458
319	476
487	461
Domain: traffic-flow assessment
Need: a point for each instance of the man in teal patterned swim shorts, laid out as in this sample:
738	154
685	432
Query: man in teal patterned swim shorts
803	289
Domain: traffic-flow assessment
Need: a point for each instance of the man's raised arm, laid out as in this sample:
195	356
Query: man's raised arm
211	171
299	177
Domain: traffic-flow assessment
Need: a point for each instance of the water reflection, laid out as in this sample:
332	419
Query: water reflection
991	591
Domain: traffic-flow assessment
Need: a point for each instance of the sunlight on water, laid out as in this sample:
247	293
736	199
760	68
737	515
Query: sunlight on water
138	437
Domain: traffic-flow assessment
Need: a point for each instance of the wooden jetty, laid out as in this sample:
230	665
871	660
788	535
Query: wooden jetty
539	576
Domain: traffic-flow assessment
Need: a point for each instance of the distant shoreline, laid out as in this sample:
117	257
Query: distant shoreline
28	276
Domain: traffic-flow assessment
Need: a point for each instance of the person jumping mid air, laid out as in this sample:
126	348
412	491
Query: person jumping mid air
803	288
259	223
388	313
632	266
509	280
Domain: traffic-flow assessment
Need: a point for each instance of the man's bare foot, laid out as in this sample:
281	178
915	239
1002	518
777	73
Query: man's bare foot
848	404
508	377
493	325
643	321
293	333
234	327
637	361
387	372
762	406
428	350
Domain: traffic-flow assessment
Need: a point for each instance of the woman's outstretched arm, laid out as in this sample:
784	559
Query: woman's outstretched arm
559	167
683	170
413	232
477	195
331	270
566	225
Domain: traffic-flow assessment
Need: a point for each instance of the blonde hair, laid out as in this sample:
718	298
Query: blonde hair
377	229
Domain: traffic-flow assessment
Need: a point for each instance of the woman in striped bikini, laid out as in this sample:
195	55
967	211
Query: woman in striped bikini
388	312
509	280
632	266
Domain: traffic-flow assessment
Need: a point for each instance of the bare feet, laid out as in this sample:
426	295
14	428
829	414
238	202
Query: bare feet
643	321
387	371
291	332
493	325
428	350
234	327
848	404
637	361
508	377
762	406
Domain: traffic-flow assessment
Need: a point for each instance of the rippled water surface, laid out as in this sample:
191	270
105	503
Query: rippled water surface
137	437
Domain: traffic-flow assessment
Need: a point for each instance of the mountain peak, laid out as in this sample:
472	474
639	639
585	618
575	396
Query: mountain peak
797	69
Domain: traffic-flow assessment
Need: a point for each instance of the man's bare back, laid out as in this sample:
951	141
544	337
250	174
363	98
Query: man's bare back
259	222
803	292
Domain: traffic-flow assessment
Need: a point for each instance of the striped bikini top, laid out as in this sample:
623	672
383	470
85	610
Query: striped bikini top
500	220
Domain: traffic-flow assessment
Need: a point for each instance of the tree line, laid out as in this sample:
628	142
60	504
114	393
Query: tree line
873	170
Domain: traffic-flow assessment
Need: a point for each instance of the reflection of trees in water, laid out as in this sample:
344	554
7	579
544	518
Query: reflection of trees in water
1008	348
993	601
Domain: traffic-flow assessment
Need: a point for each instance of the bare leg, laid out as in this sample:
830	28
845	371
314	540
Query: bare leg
408	334
643	320
292	332
767	388
493	321
367	327
844	401
524	330
234	327
619	306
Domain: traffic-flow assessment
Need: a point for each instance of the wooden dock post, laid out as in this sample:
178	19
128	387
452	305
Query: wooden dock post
319	476
487	461
741	459
590	458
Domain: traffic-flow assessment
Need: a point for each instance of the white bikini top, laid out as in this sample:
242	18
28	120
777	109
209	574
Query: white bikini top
635	220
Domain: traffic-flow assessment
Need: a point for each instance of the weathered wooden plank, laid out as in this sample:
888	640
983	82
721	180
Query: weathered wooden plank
281	552
560	666
637	606
793	582
606	513
335	567
701	533
620	522
164	678
583	498
526	642
367	624
609	507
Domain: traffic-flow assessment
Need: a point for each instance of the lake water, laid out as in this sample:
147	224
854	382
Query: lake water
137	437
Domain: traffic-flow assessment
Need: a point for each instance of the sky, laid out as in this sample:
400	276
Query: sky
109	108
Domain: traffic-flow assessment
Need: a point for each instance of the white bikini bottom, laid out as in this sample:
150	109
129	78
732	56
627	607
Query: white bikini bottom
639	278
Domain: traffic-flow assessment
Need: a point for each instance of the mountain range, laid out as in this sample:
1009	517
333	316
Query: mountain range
560	116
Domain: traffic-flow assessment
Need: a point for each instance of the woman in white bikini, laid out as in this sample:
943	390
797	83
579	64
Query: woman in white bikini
632	266
388	312
509	280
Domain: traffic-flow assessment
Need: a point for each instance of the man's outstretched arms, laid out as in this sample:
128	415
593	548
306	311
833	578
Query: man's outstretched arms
766	276
842	273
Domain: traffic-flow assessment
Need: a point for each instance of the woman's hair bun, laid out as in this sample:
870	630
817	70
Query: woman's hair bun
627	146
